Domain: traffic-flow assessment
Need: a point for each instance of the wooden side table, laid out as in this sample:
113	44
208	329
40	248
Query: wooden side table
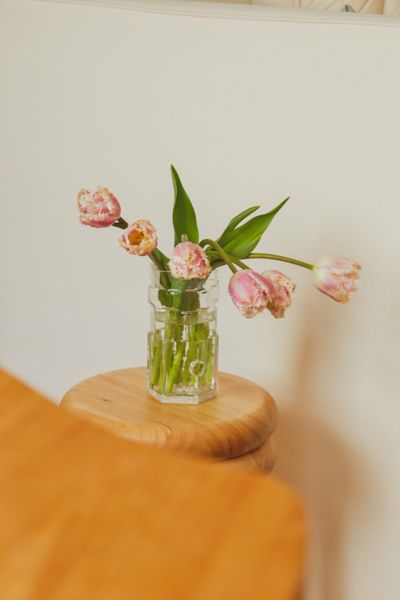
237	425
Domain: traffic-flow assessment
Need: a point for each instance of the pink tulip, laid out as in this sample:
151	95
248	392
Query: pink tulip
98	209
336	277
140	238
189	261
283	292
250	292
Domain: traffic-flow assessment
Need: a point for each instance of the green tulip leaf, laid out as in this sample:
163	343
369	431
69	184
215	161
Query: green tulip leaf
183	215
235	221
241	241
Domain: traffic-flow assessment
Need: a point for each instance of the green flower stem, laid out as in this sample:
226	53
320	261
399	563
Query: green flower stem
155	261
239	263
190	352
169	340
155	358
218	262
203	349
221	252
174	369
164	278
120	223
287	259
210	360
161	378
173	350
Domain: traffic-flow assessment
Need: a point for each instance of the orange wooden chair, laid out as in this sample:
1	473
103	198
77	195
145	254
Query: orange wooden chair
87	515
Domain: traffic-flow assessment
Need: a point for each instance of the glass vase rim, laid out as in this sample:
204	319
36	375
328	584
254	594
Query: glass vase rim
213	275
200	286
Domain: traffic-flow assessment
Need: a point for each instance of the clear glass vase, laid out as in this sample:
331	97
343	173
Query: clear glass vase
183	342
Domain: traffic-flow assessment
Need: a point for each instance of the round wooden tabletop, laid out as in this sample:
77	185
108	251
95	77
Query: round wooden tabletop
238	420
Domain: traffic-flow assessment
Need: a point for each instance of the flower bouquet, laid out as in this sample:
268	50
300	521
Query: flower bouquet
183	341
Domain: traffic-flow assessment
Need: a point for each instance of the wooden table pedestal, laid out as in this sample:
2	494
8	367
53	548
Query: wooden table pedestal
236	426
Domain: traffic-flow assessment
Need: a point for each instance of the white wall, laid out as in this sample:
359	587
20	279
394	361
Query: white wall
249	112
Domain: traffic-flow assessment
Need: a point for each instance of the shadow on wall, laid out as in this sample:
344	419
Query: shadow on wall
330	477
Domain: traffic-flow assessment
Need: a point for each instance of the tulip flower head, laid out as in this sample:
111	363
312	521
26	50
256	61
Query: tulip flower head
250	292
336	277
98	209
189	261
283	292
140	238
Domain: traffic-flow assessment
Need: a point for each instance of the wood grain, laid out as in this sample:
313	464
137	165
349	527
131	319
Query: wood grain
262	458
87	515
238	420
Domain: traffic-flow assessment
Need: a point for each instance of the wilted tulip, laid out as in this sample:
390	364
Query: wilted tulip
98	209
283	292
336	277
189	261
250	292
140	238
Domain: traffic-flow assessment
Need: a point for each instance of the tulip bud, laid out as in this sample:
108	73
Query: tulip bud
98	209
140	238
336	277
189	261
250	292
283	292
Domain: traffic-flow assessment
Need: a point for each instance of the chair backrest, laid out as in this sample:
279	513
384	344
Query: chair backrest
85	514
